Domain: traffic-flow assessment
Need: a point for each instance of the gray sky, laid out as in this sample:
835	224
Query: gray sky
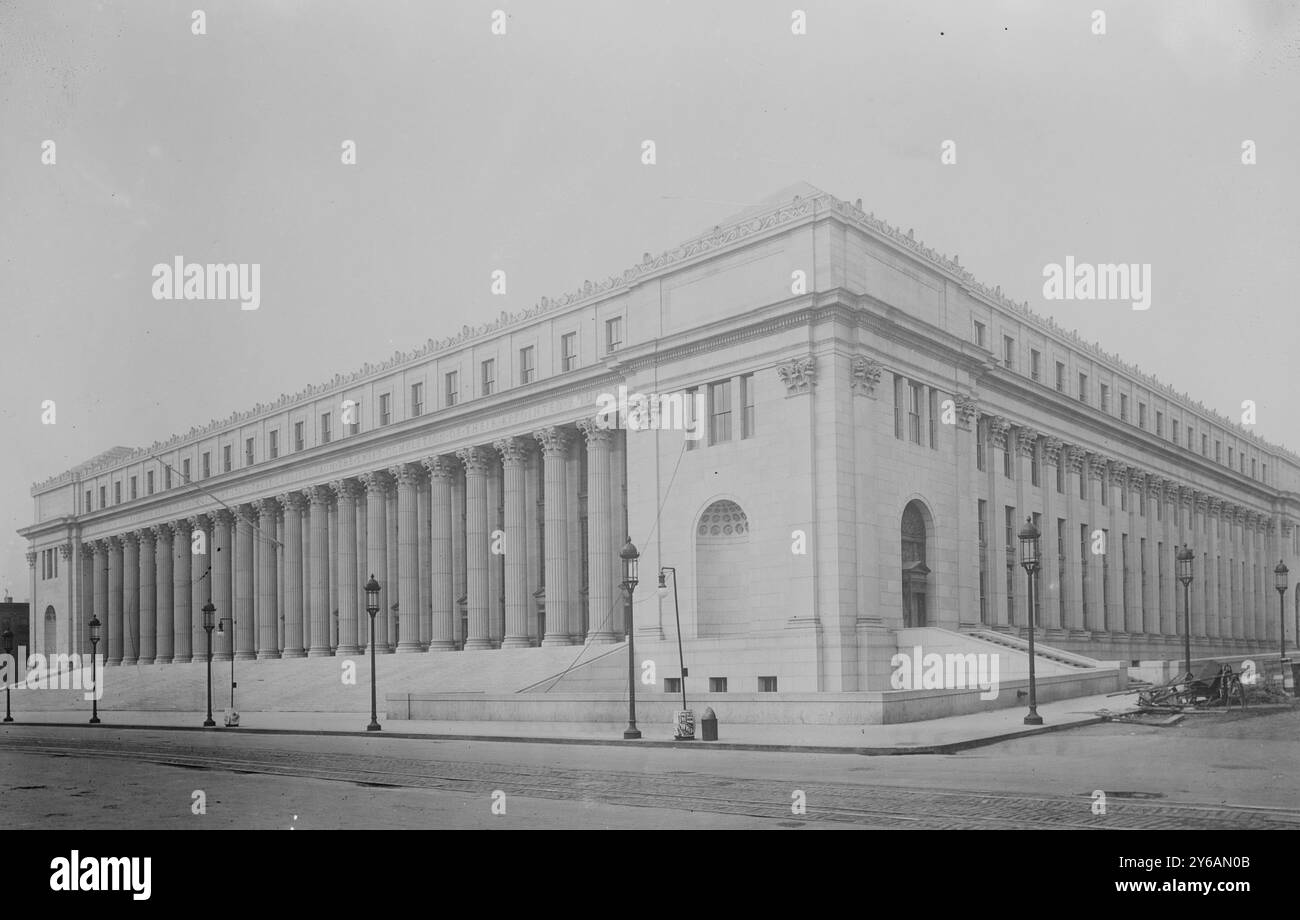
522	152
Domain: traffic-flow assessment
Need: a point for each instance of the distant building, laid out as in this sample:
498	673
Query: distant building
873	428
16	616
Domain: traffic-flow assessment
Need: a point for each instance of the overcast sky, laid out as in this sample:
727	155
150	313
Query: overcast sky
523	152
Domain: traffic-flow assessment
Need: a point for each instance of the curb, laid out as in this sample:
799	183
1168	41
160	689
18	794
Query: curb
950	748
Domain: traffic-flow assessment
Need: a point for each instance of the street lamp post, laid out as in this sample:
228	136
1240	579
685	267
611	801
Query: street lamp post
1184	561
221	631
689	724
629	555
94	678
208	611
1279	581
1030	561
372	608
8	640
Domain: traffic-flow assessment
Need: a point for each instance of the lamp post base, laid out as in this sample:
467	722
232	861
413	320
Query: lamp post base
1033	719
373	727
208	723
631	734
94	721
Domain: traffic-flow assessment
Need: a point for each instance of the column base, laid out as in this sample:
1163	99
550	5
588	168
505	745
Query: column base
348	650
603	638
179	659
475	645
317	652
383	649
145	661
406	648
264	654
244	656
293	653
442	645
126	661
517	642
555	640
111	662
221	656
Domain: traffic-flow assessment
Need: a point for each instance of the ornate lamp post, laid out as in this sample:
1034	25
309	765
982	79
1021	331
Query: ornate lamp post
8	640
372	608
686	721
1030	561
208	611
94	678
1184	561
1279	582
629	555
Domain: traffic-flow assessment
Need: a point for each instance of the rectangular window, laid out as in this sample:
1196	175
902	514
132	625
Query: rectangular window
1105	398
248	452
185	469
692	423
1205	445
226	460
672	685
1230	457
1189	438
1105	490
569	351
719	412
1160	424
352	415
167	477
527	362
1173	430
1060	475
747	406
899	386
207	464
979	333
1033	467
89	504
934	419
1263	470
452	387
1142	415
417	400
103	496
767	685
134	492
1218	451
488	376
1083	388
717	685
1011	572
117	493
273	444
1123	407
981	446
1007	454
1123	496
1060	377
613	334
1035	366
1009	352
297	436
914	412
325	428
148	482
983	521
385	408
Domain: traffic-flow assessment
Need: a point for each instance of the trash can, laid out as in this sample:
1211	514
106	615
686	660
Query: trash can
709	725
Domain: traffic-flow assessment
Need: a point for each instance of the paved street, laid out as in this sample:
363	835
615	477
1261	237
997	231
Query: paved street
1212	771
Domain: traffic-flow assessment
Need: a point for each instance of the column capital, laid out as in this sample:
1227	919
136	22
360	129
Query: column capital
31	558
998	428
476	459
223	516
88	546
1096	466
968	410
318	496
144	535
1052	448
864	375
1118	470
265	508
129	536
798	374
198	522
597	435
1074	458
406	474
1202	502
376	483
162	532
442	467
345	488
1216	506
291	501
1026	437
65	549
554	440
517	450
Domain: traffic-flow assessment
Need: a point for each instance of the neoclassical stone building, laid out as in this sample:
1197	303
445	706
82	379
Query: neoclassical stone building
874	426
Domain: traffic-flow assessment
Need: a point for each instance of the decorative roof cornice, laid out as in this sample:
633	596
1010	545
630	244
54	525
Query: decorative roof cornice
704	245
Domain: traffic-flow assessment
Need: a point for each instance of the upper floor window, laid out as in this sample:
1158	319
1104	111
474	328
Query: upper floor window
1123	407
117	493
385	408
1060	377
417	399
452	383
1229	456
185	469
720	412
1142	415
527	364
134	492
747	406
226	460
1035	366
1083	388
1009	352
489	368
273	444
89	503
352	415
914	412
1205	445
979	334
569	351
325	427
1173	430
103	496
148	482
1105	398
297	436
207	463
248	452
613	334
1160	424
167	477
1218	451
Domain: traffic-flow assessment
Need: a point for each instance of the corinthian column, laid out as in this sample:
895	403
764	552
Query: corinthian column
114	625
345	493
318	548
514	460
181	647
223	642
424	554
100	575
376	484
148	599
162	543
292	502
408	558
600	565
130	637
243	585
200	586
442	478
268	614
555	452
477	465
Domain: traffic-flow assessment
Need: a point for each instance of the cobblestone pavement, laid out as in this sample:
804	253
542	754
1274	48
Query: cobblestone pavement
1003	787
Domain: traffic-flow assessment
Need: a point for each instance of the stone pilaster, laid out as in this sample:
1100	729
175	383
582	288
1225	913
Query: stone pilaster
998	489
555	450
1050	580
424	553
200	586
514	461
496	558
1169	586
100	579
1114	556
1072	606
573	540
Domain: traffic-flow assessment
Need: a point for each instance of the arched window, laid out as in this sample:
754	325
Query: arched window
916	574
723	570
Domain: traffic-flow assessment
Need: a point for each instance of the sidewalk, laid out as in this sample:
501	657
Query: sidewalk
938	736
